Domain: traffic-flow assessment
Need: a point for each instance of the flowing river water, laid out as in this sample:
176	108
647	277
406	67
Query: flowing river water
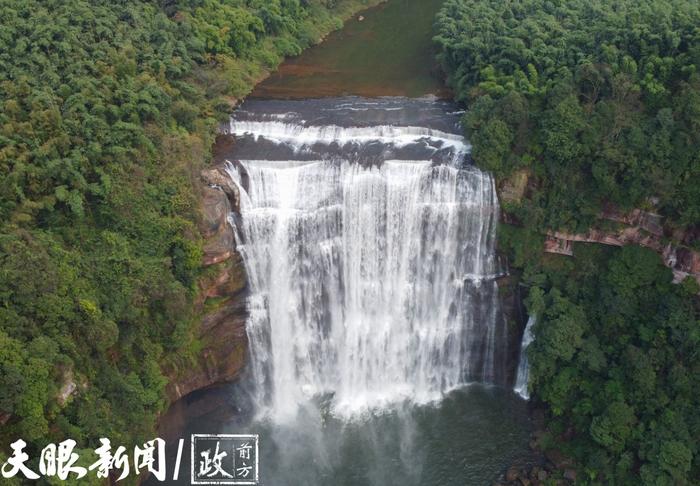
378	350
388	53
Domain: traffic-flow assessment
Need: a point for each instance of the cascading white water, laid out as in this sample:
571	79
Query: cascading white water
523	376
369	284
299	135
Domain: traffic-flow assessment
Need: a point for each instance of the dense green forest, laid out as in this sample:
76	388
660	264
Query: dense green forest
616	360
595	103
598	101
109	110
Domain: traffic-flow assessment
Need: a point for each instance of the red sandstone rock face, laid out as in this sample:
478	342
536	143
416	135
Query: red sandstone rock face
641	228
221	301
221	298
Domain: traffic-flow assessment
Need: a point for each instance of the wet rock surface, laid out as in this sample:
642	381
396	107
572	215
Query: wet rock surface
221	303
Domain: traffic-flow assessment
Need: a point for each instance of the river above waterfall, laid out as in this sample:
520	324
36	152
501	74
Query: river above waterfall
387	53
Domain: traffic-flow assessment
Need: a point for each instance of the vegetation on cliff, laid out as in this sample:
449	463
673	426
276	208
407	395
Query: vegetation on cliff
598	101
108	111
616	360
592	103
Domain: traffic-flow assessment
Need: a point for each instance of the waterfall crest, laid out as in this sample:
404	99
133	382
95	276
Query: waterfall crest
300	136
372	281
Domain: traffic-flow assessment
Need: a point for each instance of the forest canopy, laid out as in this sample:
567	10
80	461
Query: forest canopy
615	358
597	101
108	112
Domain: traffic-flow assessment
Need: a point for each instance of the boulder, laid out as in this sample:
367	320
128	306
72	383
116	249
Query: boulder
557	458
512	474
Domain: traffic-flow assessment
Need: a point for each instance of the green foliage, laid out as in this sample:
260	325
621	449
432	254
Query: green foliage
599	100
107	113
615	359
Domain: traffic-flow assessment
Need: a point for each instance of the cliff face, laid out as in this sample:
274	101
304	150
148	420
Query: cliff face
220	335
636	228
220	331
515	316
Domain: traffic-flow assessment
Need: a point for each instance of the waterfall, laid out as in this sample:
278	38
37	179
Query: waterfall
300	136
372	279
521	380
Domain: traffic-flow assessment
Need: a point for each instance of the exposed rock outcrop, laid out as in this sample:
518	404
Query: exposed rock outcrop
636	227
513	188
68	387
515	316
639	228
220	335
545	466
